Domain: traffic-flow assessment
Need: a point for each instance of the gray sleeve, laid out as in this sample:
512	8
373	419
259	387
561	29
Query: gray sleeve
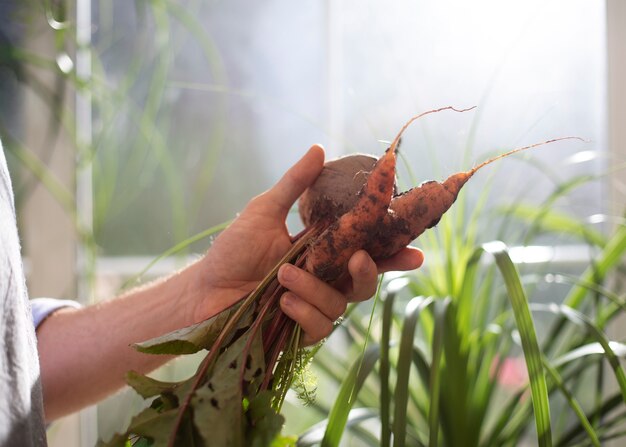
41	308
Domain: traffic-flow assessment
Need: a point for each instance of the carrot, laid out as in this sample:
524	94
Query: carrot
384	227
328	256
413	212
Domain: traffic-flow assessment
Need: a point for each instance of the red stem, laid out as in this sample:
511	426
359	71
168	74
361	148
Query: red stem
267	306
277	349
300	243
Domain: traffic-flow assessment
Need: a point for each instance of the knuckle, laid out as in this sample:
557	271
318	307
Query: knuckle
322	331
339	308
257	201
371	290
365	291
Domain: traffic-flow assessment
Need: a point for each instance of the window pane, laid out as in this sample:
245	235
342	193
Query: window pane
536	71
203	107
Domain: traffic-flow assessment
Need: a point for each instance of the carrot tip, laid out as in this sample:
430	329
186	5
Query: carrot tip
396	142
520	149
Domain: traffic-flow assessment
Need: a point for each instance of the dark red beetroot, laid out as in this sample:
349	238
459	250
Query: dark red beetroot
336	189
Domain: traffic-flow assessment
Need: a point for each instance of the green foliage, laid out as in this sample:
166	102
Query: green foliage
347	394
474	352
220	411
193	338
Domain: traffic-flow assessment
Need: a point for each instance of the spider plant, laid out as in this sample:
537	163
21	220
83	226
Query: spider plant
475	350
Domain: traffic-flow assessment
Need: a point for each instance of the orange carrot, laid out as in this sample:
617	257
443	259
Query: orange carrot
384	230
413	212
328	256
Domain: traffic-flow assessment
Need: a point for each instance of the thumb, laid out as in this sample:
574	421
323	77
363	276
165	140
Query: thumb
295	181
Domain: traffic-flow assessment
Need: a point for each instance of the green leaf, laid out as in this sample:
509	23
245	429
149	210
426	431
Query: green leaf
118	440
547	219
346	397
384	369
530	345
582	320
265	423
284	441
150	424
610	256
217	404
313	435
190	339
149	387
609	405
435	373
177	248
412	312
590	349
573	403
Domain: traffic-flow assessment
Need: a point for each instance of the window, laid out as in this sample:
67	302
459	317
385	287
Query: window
198	106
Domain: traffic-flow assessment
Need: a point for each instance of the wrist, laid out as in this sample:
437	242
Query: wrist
193	291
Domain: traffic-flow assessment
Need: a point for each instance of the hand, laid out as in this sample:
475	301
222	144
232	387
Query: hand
252	245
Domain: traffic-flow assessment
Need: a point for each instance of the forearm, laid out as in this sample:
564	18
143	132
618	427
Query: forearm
85	353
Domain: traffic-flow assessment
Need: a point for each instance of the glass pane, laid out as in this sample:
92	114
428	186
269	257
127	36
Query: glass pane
199	108
535	70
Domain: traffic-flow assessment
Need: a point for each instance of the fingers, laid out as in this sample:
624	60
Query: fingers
328	300
364	276
409	258
293	183
362	282
310	302
315	305
315	324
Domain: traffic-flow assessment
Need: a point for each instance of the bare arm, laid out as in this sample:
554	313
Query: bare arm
85	353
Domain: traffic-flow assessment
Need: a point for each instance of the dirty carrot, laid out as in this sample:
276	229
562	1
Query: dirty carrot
420	208
329	254
385	229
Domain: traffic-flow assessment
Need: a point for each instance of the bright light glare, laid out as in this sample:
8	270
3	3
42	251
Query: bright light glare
581	157
65	63
531	254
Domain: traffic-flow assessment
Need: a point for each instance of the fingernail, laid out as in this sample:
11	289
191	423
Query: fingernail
288	300
365	264
289	273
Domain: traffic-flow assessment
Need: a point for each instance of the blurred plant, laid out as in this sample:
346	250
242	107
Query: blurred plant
136	117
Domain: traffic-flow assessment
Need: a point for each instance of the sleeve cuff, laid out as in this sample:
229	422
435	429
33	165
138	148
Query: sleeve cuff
42	308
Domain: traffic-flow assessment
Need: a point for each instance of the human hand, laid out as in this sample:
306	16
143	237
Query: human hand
258	238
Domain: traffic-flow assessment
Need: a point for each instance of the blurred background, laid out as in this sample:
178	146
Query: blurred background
131	126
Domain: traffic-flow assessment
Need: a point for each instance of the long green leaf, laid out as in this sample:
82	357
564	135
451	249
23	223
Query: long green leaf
581	320
573	403
553	221
530	345
384	368
177	248
412	313
607	406
350	387
314	435
590	349
610	256
435	372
